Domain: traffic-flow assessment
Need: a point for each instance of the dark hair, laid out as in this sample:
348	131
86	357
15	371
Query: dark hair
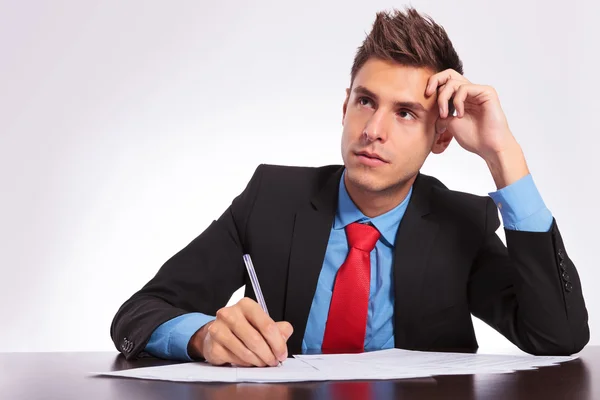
410	39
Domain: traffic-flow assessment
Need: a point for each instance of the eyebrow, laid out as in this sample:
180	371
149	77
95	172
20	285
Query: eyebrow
397	104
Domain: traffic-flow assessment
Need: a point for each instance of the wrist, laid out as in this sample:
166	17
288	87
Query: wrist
196	344
507	165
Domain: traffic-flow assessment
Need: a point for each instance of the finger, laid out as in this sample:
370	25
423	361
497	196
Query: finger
459	100
285	328
256	342
267	328
444	96
220	355
441	78
474	94
450	105
222	335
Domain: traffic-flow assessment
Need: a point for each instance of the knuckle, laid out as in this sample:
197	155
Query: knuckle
288	327
222	313
245	302
213	329
226	314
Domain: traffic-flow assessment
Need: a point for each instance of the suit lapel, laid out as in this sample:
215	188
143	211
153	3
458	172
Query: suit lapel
414	240
312	227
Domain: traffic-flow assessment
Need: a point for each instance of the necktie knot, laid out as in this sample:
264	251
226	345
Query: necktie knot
362	236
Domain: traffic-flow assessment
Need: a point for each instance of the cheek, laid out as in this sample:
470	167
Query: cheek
356	120
411	142
351	133
346	141
418	133
404	135
345	135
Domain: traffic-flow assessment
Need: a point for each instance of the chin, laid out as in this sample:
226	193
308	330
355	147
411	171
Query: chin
366	179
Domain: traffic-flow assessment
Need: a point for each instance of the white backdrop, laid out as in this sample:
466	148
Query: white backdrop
126	127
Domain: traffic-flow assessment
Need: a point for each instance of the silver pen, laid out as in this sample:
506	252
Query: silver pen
255	284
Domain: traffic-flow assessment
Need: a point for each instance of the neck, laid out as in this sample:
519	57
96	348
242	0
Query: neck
375	203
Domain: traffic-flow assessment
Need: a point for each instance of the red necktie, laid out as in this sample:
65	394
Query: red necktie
347	320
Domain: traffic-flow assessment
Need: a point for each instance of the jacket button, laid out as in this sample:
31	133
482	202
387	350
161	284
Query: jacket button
568	286
565	277
126	345
562	265
561	254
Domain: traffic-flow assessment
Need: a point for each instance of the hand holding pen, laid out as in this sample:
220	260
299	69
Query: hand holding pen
243	334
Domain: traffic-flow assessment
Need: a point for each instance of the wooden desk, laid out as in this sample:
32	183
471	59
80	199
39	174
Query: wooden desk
65	376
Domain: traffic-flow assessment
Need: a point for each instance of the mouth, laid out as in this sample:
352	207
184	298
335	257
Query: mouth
370	159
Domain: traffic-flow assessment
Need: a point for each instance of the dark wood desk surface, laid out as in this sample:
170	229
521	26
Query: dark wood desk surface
65	376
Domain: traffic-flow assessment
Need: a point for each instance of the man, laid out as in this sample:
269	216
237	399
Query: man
374	254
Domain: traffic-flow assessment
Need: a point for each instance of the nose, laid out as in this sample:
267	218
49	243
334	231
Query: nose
376	127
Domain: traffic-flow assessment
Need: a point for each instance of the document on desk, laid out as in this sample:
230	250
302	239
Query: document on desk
384	364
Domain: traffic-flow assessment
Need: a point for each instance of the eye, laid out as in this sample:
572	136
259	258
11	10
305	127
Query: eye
363	101
406	115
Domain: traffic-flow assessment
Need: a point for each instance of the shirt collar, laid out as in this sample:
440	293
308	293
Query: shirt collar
387	224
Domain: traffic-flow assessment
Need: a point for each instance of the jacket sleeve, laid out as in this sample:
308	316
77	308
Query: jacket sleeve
199	278
529	290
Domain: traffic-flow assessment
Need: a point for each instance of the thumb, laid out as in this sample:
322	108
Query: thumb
285	328
441	125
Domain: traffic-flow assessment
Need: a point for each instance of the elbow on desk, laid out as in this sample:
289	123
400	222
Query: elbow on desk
565	346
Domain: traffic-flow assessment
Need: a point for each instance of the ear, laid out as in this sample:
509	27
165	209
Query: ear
345	105
441	142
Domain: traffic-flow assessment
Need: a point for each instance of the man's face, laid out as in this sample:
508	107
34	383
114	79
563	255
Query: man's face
389	126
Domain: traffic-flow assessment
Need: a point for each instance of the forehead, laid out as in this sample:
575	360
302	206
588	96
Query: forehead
391	81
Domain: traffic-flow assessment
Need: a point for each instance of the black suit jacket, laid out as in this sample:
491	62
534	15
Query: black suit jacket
448	264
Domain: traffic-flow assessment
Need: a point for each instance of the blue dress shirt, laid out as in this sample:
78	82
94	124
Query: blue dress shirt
520	205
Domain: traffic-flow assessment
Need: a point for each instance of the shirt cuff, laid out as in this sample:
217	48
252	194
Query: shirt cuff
170	340
522	207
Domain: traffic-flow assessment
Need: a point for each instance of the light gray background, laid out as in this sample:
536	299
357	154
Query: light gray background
126	127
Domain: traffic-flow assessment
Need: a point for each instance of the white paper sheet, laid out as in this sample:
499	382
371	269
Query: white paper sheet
384	364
